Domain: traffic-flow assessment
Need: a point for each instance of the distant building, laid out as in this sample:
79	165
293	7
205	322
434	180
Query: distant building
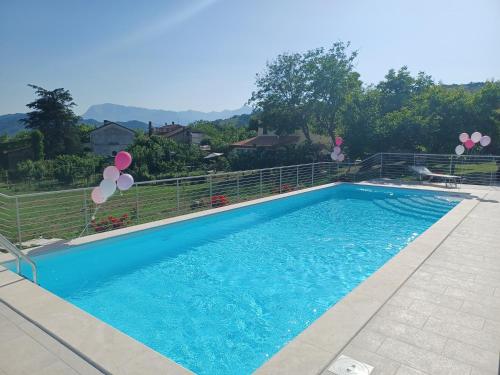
267	141
179	133
110	138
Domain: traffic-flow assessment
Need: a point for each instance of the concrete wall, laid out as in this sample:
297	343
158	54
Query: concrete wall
109	139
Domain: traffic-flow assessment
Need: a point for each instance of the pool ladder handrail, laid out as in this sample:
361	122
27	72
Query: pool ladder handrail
11	248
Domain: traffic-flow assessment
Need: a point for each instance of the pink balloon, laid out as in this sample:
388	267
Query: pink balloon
111	173
338	141
469	144
125	182
97	196
341	157
463	137
123	160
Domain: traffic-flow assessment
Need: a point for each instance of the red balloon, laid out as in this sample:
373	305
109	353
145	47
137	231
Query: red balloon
123	160
469	144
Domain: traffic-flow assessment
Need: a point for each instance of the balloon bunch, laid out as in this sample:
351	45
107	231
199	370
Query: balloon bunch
114	178
337	154
468	143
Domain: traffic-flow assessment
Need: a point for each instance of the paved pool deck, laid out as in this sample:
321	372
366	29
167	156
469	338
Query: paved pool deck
432	309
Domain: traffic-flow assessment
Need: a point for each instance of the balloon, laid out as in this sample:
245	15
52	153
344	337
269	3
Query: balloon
338	141
476	137
123	160
337	150
469	144
463	137
341	157
334	156
108	187
111	173
459	150
125	181
485	140
97	195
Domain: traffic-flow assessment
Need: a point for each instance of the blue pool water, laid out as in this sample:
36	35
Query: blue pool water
223	293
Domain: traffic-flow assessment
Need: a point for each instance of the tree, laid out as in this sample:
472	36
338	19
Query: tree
53	116
282	98
335	86
37	145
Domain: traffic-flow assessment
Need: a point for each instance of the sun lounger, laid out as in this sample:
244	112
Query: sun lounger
425	172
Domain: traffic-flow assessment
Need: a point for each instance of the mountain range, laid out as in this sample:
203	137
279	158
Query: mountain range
116	112
131	117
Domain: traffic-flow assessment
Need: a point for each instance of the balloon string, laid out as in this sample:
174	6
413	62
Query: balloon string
92	218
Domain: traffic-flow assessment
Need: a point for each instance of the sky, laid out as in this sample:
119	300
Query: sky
204	54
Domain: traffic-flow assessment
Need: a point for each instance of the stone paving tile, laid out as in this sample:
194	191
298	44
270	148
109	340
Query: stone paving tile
401	315
422	360
405	370
401	301
488	312
471	286
458	317
472	296
478	371
480	338
438	299
369	340
482	359
408	334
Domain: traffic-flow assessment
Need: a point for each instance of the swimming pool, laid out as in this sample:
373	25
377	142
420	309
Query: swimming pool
223	293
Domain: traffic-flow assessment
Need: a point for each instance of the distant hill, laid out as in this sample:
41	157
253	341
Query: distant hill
11	124
116	112
472	86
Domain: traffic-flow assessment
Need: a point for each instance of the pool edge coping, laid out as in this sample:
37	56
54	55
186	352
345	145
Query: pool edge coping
54	314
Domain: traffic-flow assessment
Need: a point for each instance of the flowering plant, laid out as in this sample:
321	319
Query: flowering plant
219	200
111	222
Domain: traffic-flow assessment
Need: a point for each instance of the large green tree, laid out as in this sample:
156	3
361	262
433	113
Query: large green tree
282	98
335	87
52	114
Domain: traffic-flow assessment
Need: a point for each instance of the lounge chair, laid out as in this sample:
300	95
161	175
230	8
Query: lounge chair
425	172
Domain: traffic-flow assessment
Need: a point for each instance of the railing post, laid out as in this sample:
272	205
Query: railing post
85	210
381	163
281	178
238	187
178	195
297	186
261	182
210	189
18	221
312	174
137	202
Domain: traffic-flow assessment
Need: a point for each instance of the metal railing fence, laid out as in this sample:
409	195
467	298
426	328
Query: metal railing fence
65	213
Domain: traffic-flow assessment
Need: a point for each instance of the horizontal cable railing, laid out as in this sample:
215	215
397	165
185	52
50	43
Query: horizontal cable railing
66	213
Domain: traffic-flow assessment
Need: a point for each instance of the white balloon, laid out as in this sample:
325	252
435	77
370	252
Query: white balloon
485	140
111	173
333	155
108	187
341	157
463	137
476	137
459	150
125	182
337	150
